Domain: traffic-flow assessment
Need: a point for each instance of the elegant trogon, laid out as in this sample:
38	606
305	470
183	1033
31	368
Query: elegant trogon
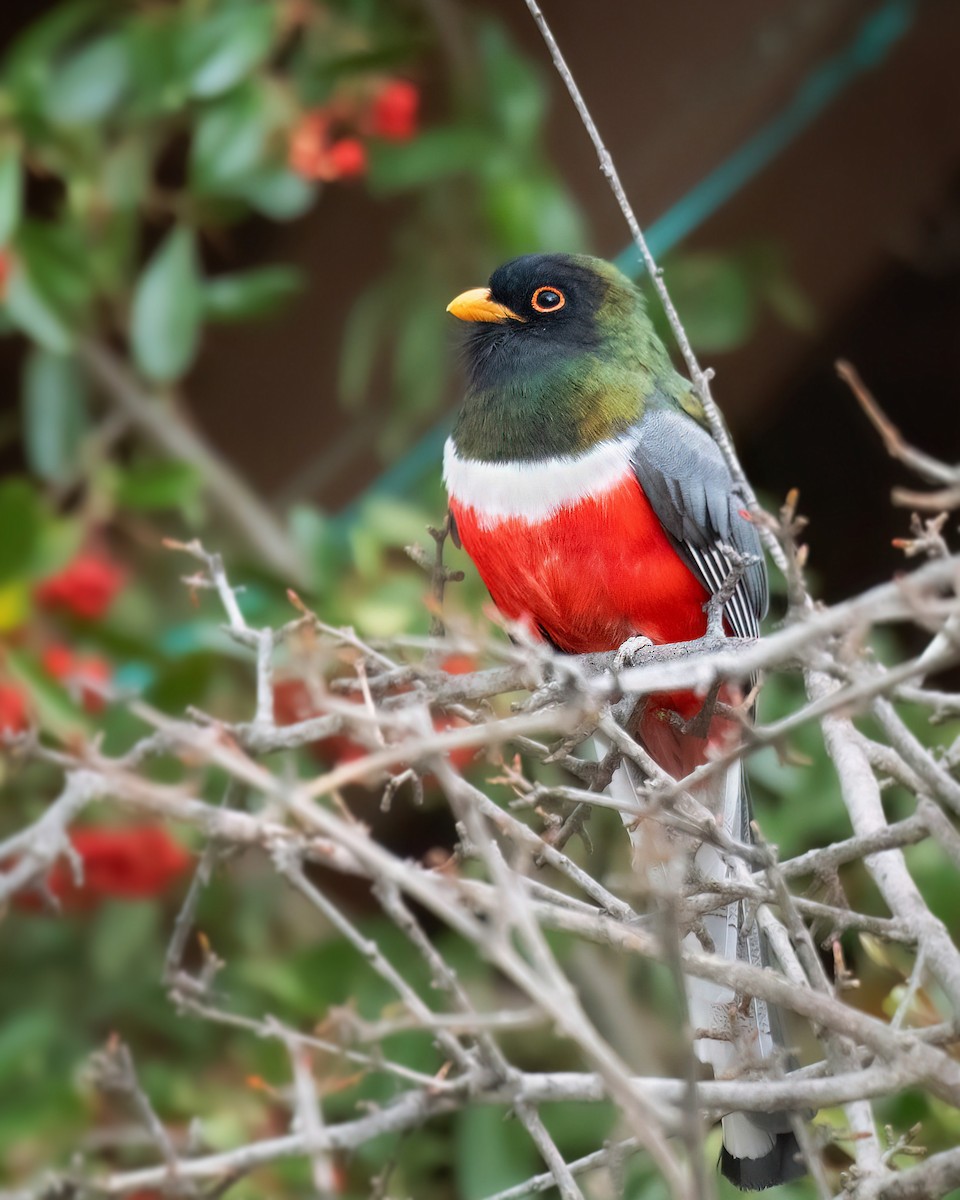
585	485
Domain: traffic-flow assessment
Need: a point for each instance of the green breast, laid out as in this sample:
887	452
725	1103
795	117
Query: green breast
548	405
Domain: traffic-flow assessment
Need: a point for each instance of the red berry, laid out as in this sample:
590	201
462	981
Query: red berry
458	664
395	111
58	661
13	709
86	588
337	750
463	756
292	701
131	862
87	674
313	154
307	153
92	674
347	158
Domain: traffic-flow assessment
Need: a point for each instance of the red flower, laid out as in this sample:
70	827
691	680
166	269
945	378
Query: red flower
86	587
85	672
131	862
13	709
6	264
395	111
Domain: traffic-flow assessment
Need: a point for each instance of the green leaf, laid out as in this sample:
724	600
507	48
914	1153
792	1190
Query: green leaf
278	194
24	1035
55	710
791	304
579	1127
29	66
493	1152
231	140
167	309
321	546
59	541
420	361
516	92
392	609
118	254
531	213
55	416
34	314
122	941
11	192
714	299
50	283
559	220
125	173
250	294
57	258
157	485
20	522
227	46
436	154
90	83
159	84
767	267
362	339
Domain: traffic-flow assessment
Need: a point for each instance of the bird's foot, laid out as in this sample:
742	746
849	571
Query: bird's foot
632	646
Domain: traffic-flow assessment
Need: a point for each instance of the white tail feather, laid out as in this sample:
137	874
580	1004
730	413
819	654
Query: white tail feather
744	1139
740	1039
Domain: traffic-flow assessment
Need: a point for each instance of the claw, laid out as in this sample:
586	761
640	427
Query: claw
629	648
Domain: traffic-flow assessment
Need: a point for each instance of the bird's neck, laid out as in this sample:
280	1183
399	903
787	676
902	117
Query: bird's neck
533	406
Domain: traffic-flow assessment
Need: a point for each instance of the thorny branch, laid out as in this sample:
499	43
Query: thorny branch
925	465
515	874
528	884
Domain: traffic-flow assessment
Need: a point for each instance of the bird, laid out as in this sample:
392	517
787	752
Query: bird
585	484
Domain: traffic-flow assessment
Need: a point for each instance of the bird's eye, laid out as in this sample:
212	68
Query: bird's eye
548	299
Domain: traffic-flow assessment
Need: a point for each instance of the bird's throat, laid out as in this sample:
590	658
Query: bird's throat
526	412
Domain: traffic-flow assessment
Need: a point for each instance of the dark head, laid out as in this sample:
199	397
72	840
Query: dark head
559	355
544	303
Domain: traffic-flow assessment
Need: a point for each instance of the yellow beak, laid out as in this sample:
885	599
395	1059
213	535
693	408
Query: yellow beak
476	305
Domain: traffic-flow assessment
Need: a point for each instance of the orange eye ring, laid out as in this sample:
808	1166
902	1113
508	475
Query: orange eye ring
549	307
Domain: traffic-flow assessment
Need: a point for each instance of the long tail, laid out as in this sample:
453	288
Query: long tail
759	1150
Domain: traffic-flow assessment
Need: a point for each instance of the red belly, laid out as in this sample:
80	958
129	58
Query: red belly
591	576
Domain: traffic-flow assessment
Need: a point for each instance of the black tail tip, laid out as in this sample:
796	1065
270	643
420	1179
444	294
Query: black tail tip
783	1163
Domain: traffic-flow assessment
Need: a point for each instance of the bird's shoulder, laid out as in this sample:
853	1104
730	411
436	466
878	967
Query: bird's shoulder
699	502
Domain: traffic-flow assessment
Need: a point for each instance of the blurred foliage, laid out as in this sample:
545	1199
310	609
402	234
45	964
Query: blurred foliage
131	138
720	297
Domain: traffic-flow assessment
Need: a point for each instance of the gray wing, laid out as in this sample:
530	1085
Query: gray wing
689	485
